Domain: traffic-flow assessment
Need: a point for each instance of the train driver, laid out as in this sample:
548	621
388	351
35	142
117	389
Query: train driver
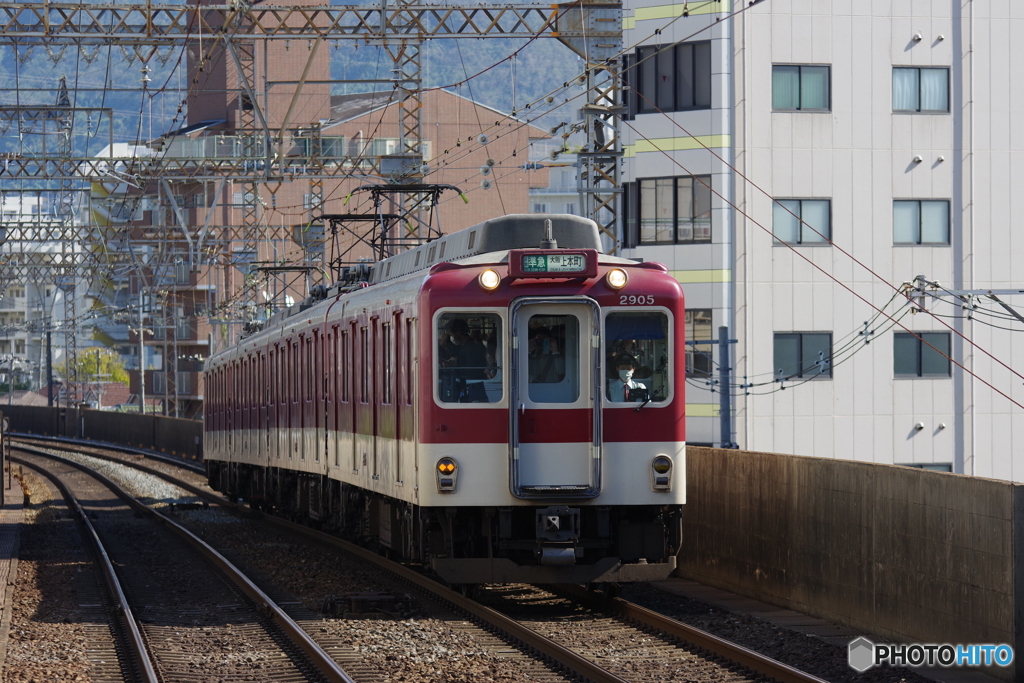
624	388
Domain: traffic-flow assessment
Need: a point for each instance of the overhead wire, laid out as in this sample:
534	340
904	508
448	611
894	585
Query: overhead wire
822	270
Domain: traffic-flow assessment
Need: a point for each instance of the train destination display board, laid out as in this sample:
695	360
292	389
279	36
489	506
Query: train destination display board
553	263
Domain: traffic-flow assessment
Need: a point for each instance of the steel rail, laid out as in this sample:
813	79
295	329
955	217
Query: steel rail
324	663
136	643
523	634
706	641
67	444
731	651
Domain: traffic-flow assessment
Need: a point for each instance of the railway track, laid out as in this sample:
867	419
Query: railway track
623	642
160	603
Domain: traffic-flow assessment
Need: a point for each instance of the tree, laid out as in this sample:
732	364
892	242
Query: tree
97	365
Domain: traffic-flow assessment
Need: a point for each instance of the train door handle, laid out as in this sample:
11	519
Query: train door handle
522	409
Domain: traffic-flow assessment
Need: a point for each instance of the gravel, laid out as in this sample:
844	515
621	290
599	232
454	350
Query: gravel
48	638
798	650
424	644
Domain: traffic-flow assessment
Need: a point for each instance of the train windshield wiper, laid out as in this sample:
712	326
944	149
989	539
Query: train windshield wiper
648	397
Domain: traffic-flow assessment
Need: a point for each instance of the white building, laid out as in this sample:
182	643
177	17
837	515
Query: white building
31	305
887	127
561	194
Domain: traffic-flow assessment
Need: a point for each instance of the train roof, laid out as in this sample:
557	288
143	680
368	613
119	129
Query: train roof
514	231
487	242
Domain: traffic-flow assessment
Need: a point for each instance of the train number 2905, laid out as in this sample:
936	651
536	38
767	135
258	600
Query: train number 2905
634	300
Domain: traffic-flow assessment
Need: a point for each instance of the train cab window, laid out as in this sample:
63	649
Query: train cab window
553	365
469	357
637	356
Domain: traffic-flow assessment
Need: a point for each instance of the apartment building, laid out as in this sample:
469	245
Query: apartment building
794	163
29	305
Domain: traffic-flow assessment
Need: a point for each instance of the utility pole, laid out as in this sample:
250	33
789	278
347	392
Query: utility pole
724	384
142	358
49	368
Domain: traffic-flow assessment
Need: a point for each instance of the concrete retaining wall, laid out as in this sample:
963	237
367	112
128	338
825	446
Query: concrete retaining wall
153	432
907	554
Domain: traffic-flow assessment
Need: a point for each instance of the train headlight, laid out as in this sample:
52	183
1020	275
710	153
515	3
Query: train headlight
489	280
616	278
447	473
661	473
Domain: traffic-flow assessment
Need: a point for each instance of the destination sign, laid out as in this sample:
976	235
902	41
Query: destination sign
554	263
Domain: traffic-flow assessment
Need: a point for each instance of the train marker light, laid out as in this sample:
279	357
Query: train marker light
447	473
662	468
616	278
489	280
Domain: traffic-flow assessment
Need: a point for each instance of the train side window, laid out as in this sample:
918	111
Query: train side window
365	366
469	357
246	384
346	364
310	388
387	352
638	355
410	354
295	373
275	396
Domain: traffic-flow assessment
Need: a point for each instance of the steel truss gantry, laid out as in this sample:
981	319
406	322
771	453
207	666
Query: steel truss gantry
593	30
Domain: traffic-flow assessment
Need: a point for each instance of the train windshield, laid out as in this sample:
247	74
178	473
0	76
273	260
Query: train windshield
469	357
638	356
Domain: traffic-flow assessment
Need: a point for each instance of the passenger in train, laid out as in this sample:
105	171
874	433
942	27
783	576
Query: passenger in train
446	350
546	364
624	387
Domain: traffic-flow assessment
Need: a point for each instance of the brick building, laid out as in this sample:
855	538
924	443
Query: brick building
324	147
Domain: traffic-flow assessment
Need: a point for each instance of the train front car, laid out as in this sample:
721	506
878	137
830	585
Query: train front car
551	435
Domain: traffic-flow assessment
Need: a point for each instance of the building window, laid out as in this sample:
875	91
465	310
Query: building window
797	87
540	208
698	356
920	90
669	78
630	222
802	221
922	354
675	210
920	221
803	354
931	466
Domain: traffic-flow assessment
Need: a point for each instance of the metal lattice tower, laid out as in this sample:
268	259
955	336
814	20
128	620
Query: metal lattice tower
238	31
65	277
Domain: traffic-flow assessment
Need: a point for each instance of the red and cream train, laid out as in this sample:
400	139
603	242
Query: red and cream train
502	404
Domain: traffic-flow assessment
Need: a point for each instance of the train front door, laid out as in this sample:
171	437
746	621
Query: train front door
556	393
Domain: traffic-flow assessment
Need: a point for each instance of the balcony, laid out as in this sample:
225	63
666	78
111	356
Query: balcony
305	151
186	384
